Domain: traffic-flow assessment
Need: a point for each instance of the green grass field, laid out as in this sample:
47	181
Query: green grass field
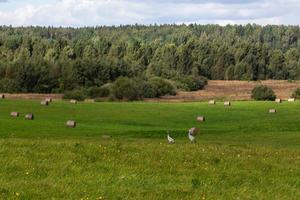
242	152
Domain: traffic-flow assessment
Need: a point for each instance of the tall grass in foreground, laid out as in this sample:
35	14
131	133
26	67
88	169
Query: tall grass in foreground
145	169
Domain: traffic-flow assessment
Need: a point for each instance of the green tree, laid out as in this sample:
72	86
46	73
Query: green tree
277	66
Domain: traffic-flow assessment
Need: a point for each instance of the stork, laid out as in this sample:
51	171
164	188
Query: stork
170	140
192	134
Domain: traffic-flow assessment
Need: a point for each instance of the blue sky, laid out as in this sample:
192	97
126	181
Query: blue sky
78	13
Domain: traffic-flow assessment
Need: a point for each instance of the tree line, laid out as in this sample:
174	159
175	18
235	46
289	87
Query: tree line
48	59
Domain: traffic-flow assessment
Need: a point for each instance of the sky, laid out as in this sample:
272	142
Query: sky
80	13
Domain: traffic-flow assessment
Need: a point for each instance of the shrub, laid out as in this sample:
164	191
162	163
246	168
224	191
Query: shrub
296	94
77	94
125	89
262	92
193	83
98	92
162	87
148	90
134	89
145	88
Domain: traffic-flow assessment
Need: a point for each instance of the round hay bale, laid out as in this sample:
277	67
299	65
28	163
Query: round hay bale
227	103
73	101
71	124
272	110
44	103
212	102
194	131
106	137
89	100
201	119
49	100
29	116
14	114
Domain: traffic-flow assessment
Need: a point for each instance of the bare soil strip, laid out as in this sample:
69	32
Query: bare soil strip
34	96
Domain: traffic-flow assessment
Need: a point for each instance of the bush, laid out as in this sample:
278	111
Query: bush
148	90
296	94
193	83
77	94
162	87
98	92
262	93
125	89
145	88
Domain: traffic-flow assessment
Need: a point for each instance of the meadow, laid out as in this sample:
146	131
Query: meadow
242	151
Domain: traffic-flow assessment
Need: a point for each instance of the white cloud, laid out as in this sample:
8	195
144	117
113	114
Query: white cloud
116	12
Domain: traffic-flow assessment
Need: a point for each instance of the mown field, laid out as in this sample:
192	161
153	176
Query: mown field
243	152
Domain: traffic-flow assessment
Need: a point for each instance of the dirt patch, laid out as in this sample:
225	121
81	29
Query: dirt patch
34	96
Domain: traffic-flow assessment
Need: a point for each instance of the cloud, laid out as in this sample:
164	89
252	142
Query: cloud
205	1
80	13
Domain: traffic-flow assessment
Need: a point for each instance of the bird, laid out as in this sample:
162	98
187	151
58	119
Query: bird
170	140
191	136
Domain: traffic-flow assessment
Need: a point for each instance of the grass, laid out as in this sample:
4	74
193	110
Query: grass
243	152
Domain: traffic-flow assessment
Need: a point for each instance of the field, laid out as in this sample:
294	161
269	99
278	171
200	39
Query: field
243	152
235	90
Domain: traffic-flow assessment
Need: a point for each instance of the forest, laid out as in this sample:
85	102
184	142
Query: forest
55	60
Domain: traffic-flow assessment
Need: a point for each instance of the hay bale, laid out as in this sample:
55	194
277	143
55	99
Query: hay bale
194	131
89	100
49	100
227	103
73	101
29	116
212	102
291	100
71	124
201	119
106	137
44	103
2	96
14	114
278	100
272	110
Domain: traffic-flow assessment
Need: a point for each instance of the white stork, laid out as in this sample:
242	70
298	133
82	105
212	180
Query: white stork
192	134
170	140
